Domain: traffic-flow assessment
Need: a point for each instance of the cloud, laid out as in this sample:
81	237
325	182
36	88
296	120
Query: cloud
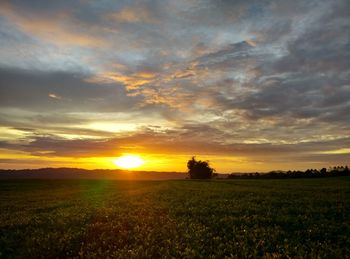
135	14
53	96
249	78
51	28
33	90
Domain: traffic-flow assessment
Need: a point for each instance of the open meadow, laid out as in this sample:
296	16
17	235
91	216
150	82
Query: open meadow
178	218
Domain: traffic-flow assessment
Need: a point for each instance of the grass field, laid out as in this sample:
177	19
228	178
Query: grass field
208	219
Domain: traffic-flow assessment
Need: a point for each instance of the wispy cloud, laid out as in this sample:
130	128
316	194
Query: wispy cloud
54	26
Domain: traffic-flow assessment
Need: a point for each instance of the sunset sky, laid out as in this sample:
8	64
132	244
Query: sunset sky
249	85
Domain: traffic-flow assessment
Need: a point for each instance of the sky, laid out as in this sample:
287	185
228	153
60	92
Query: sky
248	85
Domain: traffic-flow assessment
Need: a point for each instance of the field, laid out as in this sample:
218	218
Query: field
152	219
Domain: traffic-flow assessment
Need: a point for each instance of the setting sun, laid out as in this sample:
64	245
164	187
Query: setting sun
129	161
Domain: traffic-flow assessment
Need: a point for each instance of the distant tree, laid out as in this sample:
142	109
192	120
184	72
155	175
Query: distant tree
198	169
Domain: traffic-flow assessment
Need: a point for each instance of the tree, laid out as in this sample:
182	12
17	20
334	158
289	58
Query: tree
199	169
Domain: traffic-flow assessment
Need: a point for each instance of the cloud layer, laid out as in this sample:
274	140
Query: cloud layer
262	81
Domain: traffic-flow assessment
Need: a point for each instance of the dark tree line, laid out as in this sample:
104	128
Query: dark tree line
198	169
309	173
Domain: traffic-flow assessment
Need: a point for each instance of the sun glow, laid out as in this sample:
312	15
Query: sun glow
129	161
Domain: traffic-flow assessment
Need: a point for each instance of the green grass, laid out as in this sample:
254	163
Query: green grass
203	219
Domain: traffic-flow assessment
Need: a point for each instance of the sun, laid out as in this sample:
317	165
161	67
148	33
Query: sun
129	161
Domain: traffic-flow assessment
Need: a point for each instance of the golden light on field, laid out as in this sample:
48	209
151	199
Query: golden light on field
129	161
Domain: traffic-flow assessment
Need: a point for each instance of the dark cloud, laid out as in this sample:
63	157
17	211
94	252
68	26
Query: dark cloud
53	91
310	81
44	6
229	56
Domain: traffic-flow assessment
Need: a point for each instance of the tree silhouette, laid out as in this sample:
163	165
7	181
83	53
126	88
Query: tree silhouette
199	169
